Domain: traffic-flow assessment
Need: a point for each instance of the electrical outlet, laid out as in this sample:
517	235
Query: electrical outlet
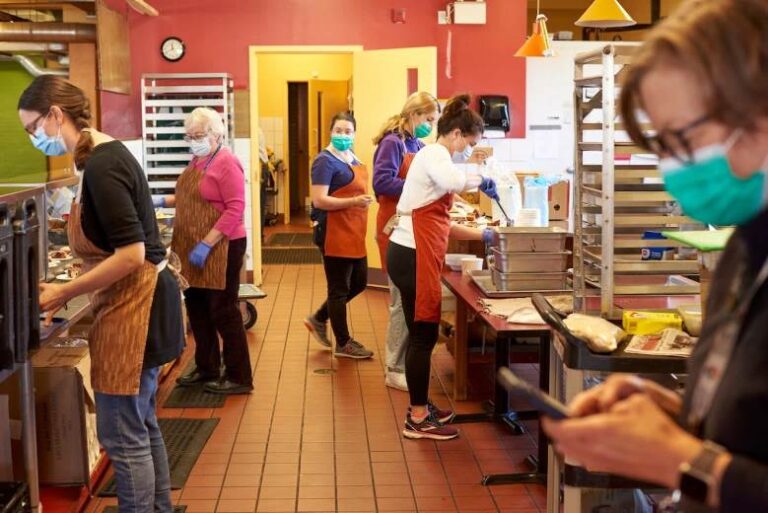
442	17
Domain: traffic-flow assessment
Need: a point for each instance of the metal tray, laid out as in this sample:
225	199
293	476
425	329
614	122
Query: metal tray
529	281
484	281
529	262
531	240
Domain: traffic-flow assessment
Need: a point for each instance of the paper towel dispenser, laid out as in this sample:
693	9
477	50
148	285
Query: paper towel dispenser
495	112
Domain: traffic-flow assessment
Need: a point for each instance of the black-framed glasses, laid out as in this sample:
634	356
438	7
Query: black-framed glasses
674	142
32	127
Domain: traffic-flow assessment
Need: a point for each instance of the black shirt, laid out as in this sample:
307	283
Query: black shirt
117	207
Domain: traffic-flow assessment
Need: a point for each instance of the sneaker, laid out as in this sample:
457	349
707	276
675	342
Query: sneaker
319	330
396	380
352	349
429	428
442	416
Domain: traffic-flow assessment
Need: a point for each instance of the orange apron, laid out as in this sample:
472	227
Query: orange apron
431	229
346	228
387	209
194	219
118	336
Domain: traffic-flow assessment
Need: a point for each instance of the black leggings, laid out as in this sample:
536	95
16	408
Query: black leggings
346	277
422	336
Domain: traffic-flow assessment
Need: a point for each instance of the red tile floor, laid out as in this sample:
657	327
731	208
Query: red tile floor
321	435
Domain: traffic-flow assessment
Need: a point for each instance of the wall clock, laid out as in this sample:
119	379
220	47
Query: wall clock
172	49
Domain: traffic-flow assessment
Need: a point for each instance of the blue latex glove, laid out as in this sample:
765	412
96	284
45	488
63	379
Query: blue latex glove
199	254
488	236
488	187
158	201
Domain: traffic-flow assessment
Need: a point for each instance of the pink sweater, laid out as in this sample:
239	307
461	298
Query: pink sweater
223	186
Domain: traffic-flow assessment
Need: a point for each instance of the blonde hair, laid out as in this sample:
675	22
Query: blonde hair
417	103
724	44
206	118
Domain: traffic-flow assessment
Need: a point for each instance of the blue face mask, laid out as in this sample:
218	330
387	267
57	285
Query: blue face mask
53	146
342	142
709	192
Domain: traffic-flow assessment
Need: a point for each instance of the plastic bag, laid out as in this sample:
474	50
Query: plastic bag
508	187
600	335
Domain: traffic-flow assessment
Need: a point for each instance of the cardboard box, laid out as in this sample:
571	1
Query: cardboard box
559	201
67	446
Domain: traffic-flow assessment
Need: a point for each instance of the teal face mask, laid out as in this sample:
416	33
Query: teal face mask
423	130
342	142
709	192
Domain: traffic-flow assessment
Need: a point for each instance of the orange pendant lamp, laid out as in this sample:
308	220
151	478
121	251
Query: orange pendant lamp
538	44
604	14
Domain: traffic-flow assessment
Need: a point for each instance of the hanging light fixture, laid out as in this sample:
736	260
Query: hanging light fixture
605	14
538	44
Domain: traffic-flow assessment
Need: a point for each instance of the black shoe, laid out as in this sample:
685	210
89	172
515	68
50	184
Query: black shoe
194	378
227	387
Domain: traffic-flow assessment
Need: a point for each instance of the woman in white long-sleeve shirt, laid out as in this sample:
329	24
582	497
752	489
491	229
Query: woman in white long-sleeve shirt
417	251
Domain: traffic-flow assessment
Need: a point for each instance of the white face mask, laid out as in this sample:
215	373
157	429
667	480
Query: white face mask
200	148
460	157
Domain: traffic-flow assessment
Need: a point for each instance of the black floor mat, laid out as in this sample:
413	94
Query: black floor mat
193	397
291	256
184	441
295	240
113	509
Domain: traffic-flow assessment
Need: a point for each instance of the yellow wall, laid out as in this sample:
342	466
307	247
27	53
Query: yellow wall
275	70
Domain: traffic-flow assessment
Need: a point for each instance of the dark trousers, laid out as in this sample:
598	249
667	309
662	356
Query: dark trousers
346	277
422	336
217	312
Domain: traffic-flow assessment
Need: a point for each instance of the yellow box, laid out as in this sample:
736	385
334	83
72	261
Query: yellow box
650	323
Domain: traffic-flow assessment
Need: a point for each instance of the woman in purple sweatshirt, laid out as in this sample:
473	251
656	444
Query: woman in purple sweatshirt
397	144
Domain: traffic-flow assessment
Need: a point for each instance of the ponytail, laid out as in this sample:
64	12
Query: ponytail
458	114
418	103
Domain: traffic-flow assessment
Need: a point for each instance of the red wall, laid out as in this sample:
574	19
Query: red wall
217	34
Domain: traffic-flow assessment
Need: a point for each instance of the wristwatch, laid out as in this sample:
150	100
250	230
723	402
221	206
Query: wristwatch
696	477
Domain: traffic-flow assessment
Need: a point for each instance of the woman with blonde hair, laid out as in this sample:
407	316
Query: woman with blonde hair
701	78
397	145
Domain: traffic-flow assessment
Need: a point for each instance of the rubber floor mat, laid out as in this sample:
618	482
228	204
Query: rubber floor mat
302	240
291	256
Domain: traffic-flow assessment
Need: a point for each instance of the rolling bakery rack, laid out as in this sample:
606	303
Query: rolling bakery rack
618	200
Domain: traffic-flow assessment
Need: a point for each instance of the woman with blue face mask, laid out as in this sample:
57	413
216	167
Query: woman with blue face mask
701	78
135	298
340	202
210	238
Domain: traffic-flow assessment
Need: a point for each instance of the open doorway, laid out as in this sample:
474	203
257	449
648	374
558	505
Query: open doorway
298	151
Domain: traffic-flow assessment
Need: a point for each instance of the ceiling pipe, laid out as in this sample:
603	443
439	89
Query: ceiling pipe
32	68
48	32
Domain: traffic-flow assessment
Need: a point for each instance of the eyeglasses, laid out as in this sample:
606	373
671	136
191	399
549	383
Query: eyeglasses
674	142
32	127
196	138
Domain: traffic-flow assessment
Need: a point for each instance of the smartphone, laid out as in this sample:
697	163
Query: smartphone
542	402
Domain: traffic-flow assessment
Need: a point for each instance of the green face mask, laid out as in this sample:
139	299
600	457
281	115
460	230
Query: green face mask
423	130
342	142
709	192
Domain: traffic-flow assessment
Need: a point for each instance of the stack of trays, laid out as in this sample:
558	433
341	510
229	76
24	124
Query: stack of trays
529	259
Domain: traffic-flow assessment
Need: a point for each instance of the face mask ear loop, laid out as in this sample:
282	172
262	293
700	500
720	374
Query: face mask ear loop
732	139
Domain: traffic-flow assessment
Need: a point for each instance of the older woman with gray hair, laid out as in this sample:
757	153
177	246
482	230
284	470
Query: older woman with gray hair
209	237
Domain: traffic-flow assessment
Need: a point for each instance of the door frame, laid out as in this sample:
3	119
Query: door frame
253	87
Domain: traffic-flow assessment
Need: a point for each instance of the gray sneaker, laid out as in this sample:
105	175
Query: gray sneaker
318	330
353	349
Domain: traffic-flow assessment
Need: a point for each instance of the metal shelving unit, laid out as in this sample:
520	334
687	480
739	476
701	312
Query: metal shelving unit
166	100
617	201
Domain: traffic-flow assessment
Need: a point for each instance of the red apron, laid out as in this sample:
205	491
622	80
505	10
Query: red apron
345	229
431	229
387	209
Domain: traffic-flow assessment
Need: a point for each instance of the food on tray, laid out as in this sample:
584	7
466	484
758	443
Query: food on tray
600	335
73	270
63	253
649	323
56	224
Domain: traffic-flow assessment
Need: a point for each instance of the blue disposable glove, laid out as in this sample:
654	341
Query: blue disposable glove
199	254
158	201
488	236
488	187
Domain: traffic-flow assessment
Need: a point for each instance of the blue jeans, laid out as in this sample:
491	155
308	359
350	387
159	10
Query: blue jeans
128	431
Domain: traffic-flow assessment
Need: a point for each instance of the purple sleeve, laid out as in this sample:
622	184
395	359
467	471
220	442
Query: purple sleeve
386	166
231	182
322	173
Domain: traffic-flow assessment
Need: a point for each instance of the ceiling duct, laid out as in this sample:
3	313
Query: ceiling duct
32	67
48	32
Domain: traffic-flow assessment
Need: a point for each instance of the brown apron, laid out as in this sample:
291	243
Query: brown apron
387	210
118	337
346	228
195	217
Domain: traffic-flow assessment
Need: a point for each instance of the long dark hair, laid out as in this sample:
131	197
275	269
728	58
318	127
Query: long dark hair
48	91
458	114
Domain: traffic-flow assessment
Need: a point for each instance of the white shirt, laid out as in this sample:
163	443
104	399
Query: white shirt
431	176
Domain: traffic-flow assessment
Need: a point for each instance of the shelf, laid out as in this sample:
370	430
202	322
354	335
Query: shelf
619	147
